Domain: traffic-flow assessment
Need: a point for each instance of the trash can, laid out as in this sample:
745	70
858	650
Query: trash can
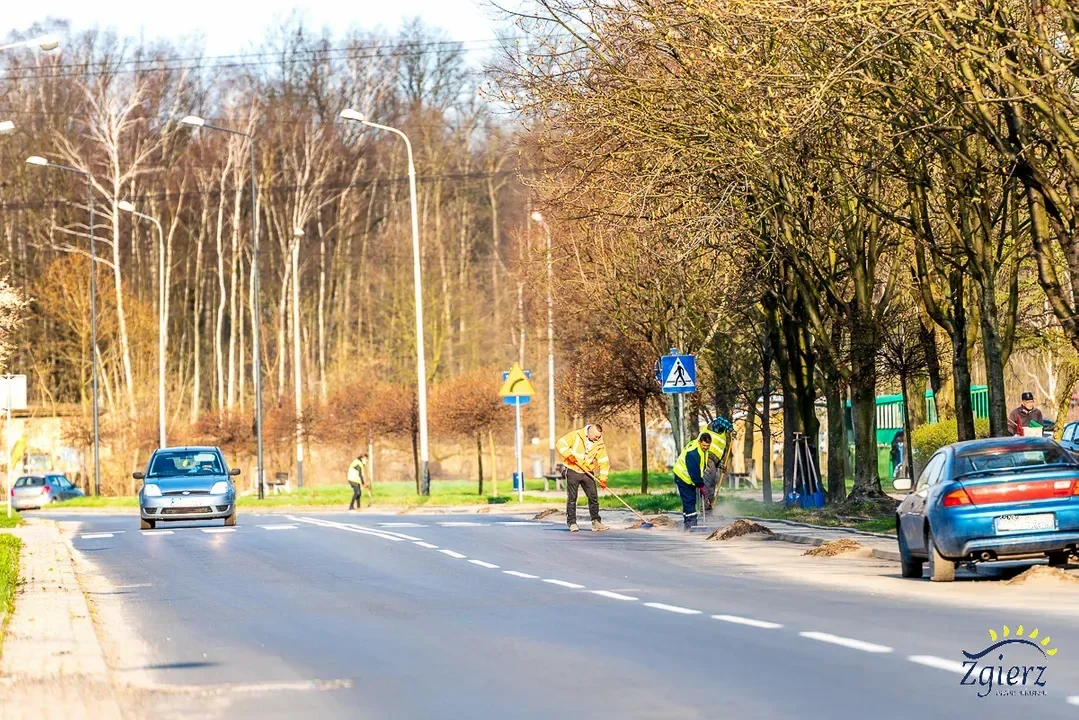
518	482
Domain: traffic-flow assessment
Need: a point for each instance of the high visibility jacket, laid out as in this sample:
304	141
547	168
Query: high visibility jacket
718	446
689	468
593	459
356	470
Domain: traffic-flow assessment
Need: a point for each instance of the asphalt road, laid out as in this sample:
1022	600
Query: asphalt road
366	616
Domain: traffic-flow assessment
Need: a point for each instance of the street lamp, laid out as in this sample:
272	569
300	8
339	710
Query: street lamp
421	364
297	356
42	162
6	127
45	42
194	121
162	322
538	217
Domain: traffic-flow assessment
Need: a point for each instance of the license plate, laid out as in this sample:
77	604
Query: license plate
183	501
1021	523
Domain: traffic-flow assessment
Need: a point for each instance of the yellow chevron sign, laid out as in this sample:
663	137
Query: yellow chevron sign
517	384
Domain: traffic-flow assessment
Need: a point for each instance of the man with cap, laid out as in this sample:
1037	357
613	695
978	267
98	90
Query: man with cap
689	476
1025	415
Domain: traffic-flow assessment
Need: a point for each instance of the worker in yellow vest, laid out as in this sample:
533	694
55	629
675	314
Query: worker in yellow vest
689	476
720	429
357	478
585	458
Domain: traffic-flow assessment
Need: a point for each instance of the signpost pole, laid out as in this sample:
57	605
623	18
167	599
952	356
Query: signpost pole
7	444
518	442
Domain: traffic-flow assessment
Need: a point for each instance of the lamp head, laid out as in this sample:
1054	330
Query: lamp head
537	217
37	160
126	206
193	121
47	42
6	127
350	114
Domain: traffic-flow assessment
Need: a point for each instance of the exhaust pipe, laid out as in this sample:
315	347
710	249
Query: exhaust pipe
986	556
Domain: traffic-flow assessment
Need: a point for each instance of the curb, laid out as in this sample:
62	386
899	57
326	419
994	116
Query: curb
880	554
837	528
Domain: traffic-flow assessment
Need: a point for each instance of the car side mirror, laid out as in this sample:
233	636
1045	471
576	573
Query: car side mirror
234	471
138	475
902	484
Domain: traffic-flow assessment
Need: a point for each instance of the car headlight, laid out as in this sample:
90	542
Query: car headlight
151	490
220	488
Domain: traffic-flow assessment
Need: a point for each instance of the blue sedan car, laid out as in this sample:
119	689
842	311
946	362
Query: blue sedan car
995	499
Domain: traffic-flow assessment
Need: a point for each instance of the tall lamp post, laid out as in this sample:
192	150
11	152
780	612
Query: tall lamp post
42	162
421	364
162	321
44	42
538	217
195	121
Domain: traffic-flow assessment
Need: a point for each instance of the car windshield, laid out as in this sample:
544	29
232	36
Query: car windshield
1018	459
30	481
186	462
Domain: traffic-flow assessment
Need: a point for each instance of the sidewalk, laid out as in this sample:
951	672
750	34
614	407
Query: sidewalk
52	664
883	547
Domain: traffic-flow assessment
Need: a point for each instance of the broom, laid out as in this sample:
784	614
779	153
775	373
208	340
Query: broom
644	523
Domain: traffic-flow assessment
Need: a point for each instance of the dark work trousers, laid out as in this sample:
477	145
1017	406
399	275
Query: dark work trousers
574	480
689	494
357	495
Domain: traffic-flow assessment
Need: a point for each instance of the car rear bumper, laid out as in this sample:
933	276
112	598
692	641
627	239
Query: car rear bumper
191	507
29	503
1012	545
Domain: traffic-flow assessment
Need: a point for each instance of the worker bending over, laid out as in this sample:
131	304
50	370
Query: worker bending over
689	476
586	461
720	429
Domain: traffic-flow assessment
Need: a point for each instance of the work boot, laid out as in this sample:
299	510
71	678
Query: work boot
598	526
573	527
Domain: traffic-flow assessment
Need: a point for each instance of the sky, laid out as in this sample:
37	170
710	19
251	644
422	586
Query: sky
234	26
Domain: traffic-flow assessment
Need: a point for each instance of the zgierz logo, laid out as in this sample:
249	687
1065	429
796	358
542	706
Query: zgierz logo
1021	673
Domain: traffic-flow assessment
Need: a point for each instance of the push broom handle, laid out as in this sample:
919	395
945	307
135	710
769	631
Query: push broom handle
615	496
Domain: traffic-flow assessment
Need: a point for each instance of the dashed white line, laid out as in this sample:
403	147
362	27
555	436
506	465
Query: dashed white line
515	573
612	595
384	534
213	531
481	563
938	663
515	522
747	621
156	532
279	527
1072	699
401	524
563	583
846	642
94	536
460	524
427	545
453	554
672	608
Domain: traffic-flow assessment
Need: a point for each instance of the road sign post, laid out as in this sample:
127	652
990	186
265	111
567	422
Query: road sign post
13	396
517	390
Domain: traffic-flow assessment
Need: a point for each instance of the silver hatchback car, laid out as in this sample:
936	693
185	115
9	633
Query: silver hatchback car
187	483
38	490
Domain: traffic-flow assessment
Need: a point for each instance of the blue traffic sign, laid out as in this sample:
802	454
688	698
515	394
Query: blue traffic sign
678	373
516	399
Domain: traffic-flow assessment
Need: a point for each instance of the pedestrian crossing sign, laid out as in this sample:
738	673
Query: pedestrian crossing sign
516	383
678	373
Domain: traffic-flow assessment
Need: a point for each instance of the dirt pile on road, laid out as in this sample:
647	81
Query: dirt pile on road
1043	575
657	520
738	528
843	546
547	513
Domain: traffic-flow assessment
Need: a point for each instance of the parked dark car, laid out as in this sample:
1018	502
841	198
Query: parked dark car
992	499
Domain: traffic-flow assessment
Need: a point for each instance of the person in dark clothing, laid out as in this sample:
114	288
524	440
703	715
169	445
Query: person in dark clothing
689	476
357	480
898	445
1025	415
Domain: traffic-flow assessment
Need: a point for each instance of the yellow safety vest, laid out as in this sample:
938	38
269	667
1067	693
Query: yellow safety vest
594	459
681	469
355	470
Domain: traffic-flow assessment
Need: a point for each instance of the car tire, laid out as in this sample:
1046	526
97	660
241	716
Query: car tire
230	521
909	567
941	569
146	524
1058	559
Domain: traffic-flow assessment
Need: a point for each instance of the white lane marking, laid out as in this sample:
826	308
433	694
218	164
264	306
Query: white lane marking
156	532
291	686
1072	700
218	530
515	522
563	583
846	642
747	621
94	536
612	595
428	545
401	524
515	573
938	663
453	554
279	527
460	524
481	563
384	534
672	608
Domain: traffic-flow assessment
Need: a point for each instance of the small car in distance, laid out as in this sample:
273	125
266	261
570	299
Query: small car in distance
37	490
186	483
992	499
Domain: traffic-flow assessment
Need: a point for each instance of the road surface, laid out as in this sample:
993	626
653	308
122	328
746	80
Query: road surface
425	616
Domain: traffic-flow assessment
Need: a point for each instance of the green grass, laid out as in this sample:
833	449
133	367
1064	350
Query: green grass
871	521
9	576
9	522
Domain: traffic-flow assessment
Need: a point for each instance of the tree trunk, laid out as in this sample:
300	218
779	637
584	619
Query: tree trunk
479	460
324	389
837	441
749	429
908	428
864	408
297	359
994	361
766	429
494	462
642	420
964	411
416	457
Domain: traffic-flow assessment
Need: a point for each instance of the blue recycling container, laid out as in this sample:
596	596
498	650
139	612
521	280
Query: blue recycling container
518	482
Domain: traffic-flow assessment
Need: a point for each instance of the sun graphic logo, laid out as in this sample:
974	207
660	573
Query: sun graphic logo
1013	664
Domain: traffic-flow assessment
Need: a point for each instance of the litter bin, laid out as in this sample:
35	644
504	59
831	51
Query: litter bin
518	482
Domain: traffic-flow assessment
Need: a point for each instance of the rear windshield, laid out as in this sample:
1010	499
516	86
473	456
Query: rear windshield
30	481
1019	459
186	462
